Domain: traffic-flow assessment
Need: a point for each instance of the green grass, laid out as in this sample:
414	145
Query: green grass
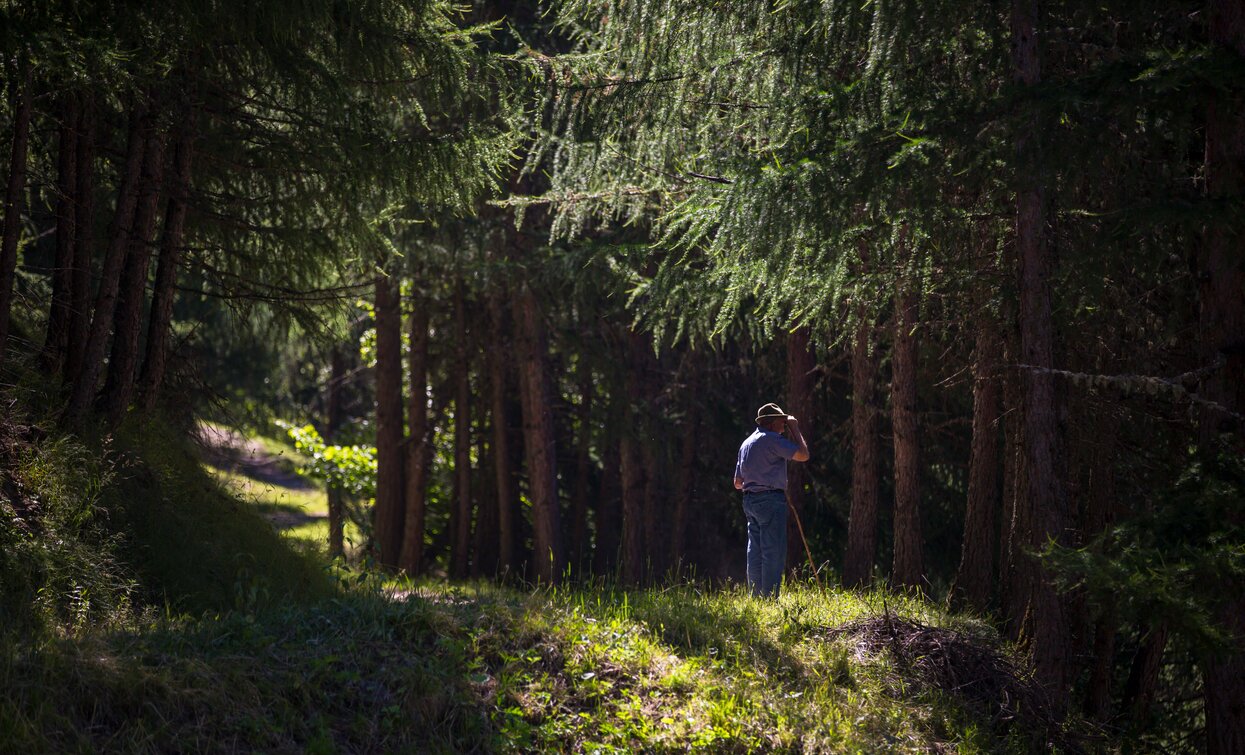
449	669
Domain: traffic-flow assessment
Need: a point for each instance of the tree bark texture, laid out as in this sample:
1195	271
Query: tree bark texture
19	102
128	318
801	363
1040	515
388	524
57	339
579	546
119	234
1143	676
1100	512
1221	298
975	579
419	446
84	242
460	514
605	559
539	440
907	569
332	428
172	241
631	468
503	469
687	462
862	530
1011	584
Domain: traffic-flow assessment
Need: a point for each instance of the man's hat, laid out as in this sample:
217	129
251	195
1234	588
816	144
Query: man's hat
770	411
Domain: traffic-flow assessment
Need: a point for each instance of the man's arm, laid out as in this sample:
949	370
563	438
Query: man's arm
801	453
739	481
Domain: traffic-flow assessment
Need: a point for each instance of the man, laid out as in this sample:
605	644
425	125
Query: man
761	473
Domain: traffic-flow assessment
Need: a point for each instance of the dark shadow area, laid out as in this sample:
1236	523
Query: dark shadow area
286	516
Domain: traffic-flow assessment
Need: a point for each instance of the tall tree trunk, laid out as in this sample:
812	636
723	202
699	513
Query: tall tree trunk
687	461
1011	583
609	507
1099	515
631	469
800	365
863	525
484	536
907	569
1222	313
419	446
975	578
1143	676
583	471
155	360
332	429
84	242
128	319
57	339
539	437
503	469
460	514
19	101
1040	515
389	515
119	234
635	472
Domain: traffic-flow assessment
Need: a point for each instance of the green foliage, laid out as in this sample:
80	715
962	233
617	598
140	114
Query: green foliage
1169	564
351	468
58	554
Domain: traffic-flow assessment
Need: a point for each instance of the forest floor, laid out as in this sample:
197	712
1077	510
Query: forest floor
233	636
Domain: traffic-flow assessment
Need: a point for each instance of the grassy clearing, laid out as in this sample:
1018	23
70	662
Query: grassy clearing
483	668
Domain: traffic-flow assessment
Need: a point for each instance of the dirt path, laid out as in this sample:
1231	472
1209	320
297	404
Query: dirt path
230	451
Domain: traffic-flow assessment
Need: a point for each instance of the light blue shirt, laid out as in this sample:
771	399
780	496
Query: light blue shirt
762	461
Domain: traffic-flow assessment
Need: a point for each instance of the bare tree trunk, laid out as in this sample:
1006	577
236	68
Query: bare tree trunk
119	235
862	528
389	515
507	496
583	471
57	339
1011	582
800	365
160	321
332	428
19	100
539	437
635	470
128	318
631	467
907	569
1100	514
687	462
1143	677
1221	297
84	243
975	579
419	446
609	509
460	513
1041	515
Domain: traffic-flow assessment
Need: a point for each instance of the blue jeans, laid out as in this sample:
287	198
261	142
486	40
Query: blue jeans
767	540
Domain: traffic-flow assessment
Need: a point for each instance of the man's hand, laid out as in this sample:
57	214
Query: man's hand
739	482
793	425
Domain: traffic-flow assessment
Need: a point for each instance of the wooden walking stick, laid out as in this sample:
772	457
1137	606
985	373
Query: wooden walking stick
800	527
